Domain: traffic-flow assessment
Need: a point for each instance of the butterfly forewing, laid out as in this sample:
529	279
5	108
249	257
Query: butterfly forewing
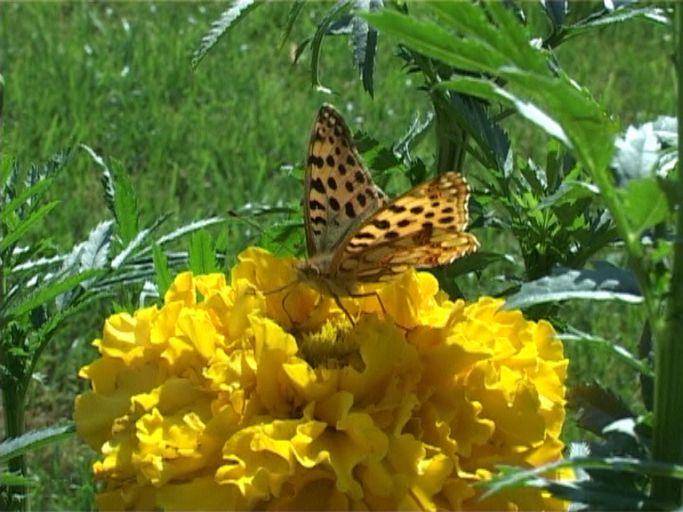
340	194
423	228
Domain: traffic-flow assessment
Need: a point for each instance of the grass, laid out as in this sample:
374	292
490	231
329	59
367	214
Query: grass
116	76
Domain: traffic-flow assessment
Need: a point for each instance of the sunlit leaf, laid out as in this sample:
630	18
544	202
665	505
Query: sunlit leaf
34	440
202	253
605	282
228	18
645	203
164	278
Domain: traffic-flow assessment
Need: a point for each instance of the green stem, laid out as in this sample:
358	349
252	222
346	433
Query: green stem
13	398
668	413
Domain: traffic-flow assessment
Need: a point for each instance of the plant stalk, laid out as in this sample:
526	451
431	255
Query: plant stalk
667	444
14	497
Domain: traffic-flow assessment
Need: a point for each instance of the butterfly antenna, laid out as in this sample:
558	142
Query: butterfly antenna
262	210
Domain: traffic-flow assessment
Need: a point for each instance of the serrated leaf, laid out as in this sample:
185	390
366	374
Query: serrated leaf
645	204
613	349
32	192
34	440
125	205
94	252
490	41
139	239
568	192
227	19
22	228
490	90
620	15
597	406
188	228
161	269
46	293
606	282
202	253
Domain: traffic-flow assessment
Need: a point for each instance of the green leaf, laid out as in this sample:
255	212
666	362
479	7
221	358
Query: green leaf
490	41
339	9
228	18
17	480
34	191
490	90
613	349
46	292
645	203
514	478
597	407
292	16
619	15
34	440
163	273
136	242
606	282
125	204
188	228
283	238
22	228
569	192
202	257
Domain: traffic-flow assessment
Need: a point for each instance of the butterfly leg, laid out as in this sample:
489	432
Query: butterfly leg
381	304
370	294
284	307
341	306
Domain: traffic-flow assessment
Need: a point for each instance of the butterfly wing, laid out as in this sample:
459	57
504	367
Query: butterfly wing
423	228
339	193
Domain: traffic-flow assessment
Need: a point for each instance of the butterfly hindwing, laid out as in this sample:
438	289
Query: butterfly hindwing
423	228
340	194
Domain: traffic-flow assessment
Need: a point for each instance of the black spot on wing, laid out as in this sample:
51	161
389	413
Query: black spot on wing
315	160
317	185
348	208
315	205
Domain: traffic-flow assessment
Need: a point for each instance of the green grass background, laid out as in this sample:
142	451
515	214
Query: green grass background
116	76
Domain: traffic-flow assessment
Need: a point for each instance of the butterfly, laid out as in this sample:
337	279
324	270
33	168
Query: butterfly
356	235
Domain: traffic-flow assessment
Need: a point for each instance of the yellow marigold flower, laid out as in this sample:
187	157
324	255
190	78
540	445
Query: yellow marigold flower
231	397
